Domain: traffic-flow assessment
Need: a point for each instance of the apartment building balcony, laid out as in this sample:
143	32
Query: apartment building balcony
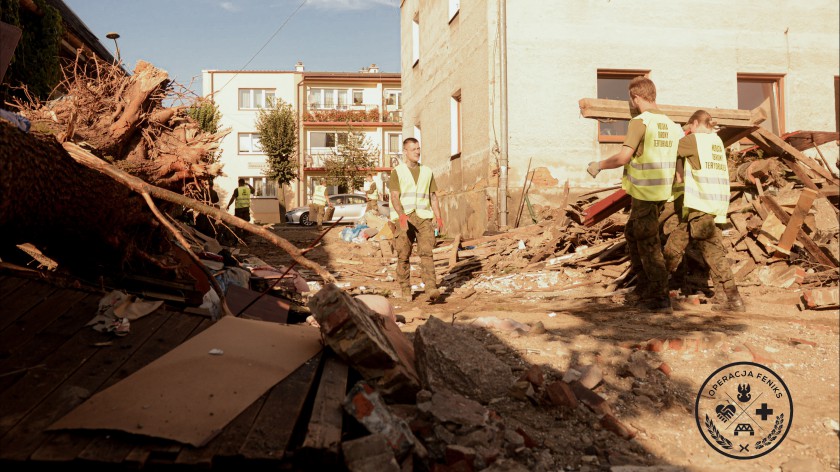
342	114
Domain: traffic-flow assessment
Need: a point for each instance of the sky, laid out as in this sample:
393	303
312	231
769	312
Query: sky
185	37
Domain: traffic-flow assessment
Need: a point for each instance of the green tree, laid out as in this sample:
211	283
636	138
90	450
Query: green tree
277	127
348	165
35	62
207	114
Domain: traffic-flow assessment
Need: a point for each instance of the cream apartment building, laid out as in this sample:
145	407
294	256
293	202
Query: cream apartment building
493	81
328	106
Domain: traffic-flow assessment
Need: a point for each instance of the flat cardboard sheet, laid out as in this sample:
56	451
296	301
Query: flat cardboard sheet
189	395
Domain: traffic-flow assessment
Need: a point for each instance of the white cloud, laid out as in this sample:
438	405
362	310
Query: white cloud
229	6
352	4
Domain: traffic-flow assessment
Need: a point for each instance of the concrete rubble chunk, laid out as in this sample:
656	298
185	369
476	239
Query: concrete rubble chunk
595	402
590	376
449	360
447	407
370	452
370	343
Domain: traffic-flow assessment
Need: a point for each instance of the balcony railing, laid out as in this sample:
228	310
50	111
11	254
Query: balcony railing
316	159
392	115
342	113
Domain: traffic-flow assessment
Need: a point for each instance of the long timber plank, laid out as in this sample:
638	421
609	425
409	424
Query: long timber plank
72	375
22	300
273	428
109	447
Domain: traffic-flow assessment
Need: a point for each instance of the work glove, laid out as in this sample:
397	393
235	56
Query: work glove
440	225
404	222
593	168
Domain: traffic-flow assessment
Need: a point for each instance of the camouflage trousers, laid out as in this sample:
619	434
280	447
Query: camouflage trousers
700	228
645	248
423	232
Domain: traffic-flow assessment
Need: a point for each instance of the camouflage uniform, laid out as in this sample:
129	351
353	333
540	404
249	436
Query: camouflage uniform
422	231
643	244
700	227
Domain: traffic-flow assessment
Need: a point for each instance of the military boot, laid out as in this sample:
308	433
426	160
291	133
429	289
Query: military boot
734	302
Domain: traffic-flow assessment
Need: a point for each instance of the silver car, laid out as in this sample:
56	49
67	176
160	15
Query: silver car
349	205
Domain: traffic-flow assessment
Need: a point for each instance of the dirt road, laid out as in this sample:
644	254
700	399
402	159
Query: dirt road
652	365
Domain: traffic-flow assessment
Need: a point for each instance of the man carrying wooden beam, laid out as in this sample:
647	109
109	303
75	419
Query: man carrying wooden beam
703	173
649	155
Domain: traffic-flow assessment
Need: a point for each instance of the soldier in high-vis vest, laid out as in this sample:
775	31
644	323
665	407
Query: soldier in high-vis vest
414	212
372	194
701	199
242	197
649	155
317	203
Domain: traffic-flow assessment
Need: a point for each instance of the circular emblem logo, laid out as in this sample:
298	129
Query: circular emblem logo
744	410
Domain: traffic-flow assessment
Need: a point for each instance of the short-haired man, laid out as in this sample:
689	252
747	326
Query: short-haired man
649	155
415	210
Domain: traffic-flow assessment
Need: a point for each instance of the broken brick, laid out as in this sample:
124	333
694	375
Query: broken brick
675	344
534	375
559	393
589	398
530	443
826	297
612	424
796	341
655	345
665	369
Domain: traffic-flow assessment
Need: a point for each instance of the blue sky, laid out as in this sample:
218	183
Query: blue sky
185	37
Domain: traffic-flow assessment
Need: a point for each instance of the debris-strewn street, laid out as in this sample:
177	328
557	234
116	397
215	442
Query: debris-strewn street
549	325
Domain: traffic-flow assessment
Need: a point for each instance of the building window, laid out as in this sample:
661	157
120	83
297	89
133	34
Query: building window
326	139
765	92
415	39
455	124
454	8
330	99
263	187
358	97
252	99
613	85
249	143
393	148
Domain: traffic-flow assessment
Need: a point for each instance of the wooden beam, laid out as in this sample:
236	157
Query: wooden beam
620	110
798	155
732	135
803	238
806	199
801	173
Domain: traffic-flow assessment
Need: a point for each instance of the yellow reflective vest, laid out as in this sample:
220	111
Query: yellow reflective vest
319	195
650	176
414	197
243	197
707	188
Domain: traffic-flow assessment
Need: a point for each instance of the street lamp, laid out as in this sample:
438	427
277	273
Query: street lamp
114	36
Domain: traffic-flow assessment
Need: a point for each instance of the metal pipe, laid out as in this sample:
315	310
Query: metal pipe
503	108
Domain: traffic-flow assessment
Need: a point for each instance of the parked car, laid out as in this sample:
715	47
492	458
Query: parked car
349	205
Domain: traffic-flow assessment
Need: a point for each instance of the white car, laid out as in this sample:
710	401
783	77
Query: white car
349	205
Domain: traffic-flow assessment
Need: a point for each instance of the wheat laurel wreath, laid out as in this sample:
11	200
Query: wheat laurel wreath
777	428
719	438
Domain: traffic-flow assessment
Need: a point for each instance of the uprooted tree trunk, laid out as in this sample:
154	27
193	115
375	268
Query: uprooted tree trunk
122	120
90	216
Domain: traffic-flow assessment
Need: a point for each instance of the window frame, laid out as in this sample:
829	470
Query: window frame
252	135
269	186
455	122
628	74
415	39
778	82
251	98
454	9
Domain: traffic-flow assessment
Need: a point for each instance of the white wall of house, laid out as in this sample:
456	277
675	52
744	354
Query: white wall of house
694	53
225	87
